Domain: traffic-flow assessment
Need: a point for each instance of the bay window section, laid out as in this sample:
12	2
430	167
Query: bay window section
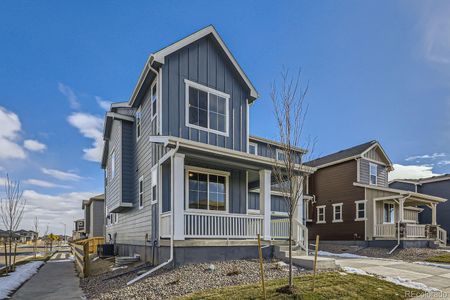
207	191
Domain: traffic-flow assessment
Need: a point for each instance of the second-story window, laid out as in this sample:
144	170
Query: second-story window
154	98
206	108
373	173
141	192
253	148
113	165
138	123
280	154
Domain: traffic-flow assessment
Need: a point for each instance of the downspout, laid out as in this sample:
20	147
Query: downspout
398	226
170	155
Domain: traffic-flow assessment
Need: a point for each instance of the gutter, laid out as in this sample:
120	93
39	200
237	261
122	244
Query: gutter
162	160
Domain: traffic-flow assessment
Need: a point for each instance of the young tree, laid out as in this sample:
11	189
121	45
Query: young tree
12	206
290	112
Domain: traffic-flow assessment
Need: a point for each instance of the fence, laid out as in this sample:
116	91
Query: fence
82	250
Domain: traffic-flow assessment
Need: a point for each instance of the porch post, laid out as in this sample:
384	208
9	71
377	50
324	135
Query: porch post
178	196
299	209
401	213
265	199
433	214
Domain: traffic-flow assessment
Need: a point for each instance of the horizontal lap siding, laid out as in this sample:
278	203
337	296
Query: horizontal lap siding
203	62
114	184
330	185
365	173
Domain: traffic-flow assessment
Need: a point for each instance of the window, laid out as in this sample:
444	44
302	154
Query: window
113	165
206	108
207	191
321	214
138	123
388	213
154	97
154	186
373	173
337	212
280	154
360	210
307	213
141	192
253	148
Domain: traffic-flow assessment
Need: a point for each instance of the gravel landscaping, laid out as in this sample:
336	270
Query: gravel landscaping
182	280
411	254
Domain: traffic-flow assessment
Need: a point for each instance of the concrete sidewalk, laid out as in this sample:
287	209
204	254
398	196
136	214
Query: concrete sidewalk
431	276
55	280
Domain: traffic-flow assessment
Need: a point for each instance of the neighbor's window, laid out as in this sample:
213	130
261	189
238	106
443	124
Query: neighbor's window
113	164
280	154
154	97
154	186
337	212
141	192
321	214
206	108
138	123
373	173
360	210
388	213
253	148
207	191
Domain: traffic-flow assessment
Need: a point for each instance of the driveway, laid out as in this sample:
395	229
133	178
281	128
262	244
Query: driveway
55	280
431	276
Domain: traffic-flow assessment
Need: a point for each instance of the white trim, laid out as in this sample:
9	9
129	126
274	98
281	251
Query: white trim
319	207
138	118
141	192
256	148
152	113
370	173
341	205
279	214
357	218
159	104
279	151
209	91
377	144
358	169
207	172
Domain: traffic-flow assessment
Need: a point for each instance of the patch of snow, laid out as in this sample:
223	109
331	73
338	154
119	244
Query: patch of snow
424	263
409	283
95	258
118	268
343	255
10	283
354	271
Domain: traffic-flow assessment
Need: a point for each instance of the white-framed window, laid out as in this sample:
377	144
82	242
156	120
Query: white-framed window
373	170
389	211
113	164
280	154
307	213
154	185
321	214
154	97
138	123
141	192
206	189
206	108
360	210
337	212
253	148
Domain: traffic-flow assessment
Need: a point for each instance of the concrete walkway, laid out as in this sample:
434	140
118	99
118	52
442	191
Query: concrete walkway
431	276
55	280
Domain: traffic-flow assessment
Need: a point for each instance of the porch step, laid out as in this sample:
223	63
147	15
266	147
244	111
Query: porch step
299	258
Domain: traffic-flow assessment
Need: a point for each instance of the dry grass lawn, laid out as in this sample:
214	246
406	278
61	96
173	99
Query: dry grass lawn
443	258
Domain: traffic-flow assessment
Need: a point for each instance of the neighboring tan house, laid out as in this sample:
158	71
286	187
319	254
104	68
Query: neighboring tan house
436	186
94	216
26	235
352	201
79	231
180	165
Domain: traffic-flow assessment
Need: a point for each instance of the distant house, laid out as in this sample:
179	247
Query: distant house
184	178
26	235
437	186
79	231
352	201
94	216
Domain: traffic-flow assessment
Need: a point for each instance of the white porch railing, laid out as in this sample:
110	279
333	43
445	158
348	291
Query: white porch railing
302	236
385	230
279	228
442	236
165	225
415	231
207	225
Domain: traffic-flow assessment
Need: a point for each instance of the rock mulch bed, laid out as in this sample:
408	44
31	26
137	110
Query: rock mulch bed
182	280
411	254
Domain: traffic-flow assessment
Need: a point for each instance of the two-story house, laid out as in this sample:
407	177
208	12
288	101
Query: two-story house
437	186
94	216
184	180
351	200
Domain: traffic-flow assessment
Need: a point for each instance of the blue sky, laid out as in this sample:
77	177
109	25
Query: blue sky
376	70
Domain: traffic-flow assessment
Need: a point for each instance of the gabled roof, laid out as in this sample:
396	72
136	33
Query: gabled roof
158	58
274	143
423	180
348	154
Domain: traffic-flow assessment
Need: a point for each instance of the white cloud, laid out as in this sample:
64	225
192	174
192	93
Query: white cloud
426	156
9	133
34	145
444	163
70	94
91	127
411	172
105	104
45	184
61	175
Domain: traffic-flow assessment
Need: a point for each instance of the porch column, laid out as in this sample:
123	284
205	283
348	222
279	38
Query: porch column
265	199
299	209
433	214
178	196
401	212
